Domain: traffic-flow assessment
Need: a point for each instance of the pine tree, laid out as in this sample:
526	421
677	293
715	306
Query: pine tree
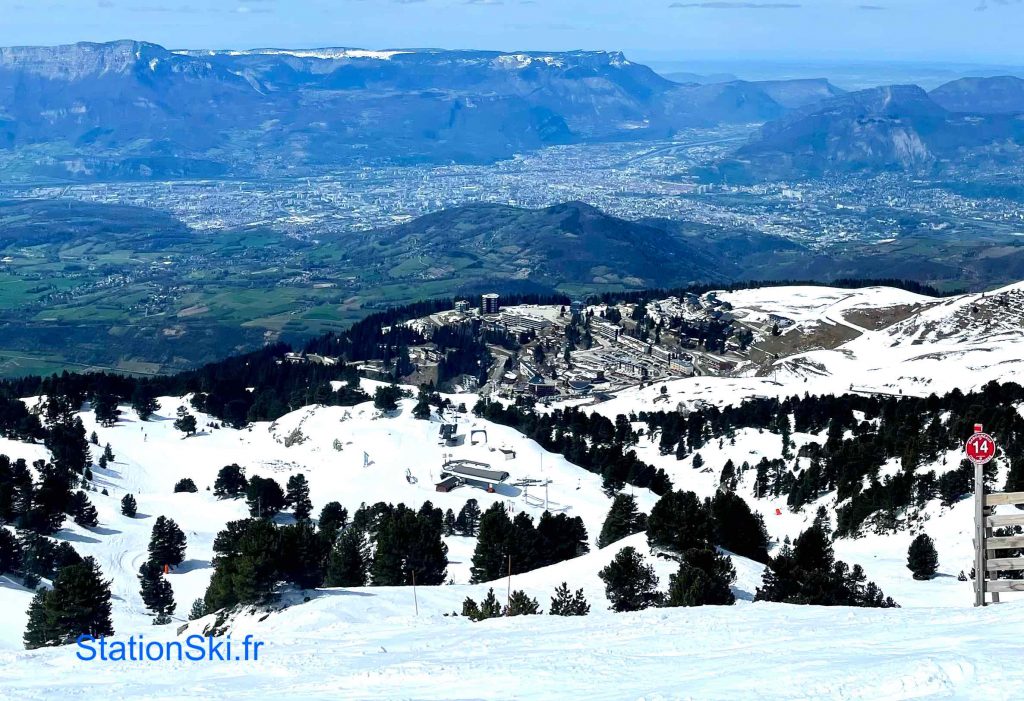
186	424
333	518
167	544
630	584
41	630
198	610
519	604
230	482
488	608
105	408
679	521
468	520
128	506
10	552
422	409
185	485
565	604
302	556
703	579
144	402
297	497
624	519
922	559
83	511
108	453
346	565
264	497
156	591
246	564
698	461
490	557
78	604
449	522
738	529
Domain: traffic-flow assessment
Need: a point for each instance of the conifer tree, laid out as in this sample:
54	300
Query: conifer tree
10	552
105	409
922	559
488	608
186	424
230	482
144	402
624	519
297	497
167	543
490	557
703	579
128	506
302	555
519	604
630	584
83	511
185	485
679	521
197	611
264	497
156	591
738	529
449	522
79	603
333	518
41	630
468	520
565	604
346	564
247	556
422	409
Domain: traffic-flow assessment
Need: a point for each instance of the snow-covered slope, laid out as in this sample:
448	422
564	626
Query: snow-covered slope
369	642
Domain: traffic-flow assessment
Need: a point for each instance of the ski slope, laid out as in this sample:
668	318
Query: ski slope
319	650
371	643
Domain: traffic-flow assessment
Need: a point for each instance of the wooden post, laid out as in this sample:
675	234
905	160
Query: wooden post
979	534
415	601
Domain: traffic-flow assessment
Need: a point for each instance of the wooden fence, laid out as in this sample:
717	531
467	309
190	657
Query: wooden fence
986	565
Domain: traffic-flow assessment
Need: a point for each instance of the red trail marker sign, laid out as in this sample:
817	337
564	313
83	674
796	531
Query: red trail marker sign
980	447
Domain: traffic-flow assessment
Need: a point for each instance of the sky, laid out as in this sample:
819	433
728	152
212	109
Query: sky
980	31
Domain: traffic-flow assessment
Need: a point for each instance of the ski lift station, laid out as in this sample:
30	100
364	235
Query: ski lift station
478	474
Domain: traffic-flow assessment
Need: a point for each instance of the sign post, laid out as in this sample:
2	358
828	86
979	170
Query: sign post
980	448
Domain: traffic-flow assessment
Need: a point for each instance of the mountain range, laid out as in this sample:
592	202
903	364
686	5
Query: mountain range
891	128
132	109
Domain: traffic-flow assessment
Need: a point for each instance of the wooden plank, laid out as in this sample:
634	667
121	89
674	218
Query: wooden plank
1006	542
1001	498
1005	585
1003	521
1004	564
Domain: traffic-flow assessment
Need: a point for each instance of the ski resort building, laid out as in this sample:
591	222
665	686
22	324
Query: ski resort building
478	474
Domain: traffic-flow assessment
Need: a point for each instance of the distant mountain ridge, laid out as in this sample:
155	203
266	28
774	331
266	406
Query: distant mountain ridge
997	95
182	113
566	246
892	128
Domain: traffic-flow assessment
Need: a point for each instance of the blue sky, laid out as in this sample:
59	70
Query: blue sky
918	30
